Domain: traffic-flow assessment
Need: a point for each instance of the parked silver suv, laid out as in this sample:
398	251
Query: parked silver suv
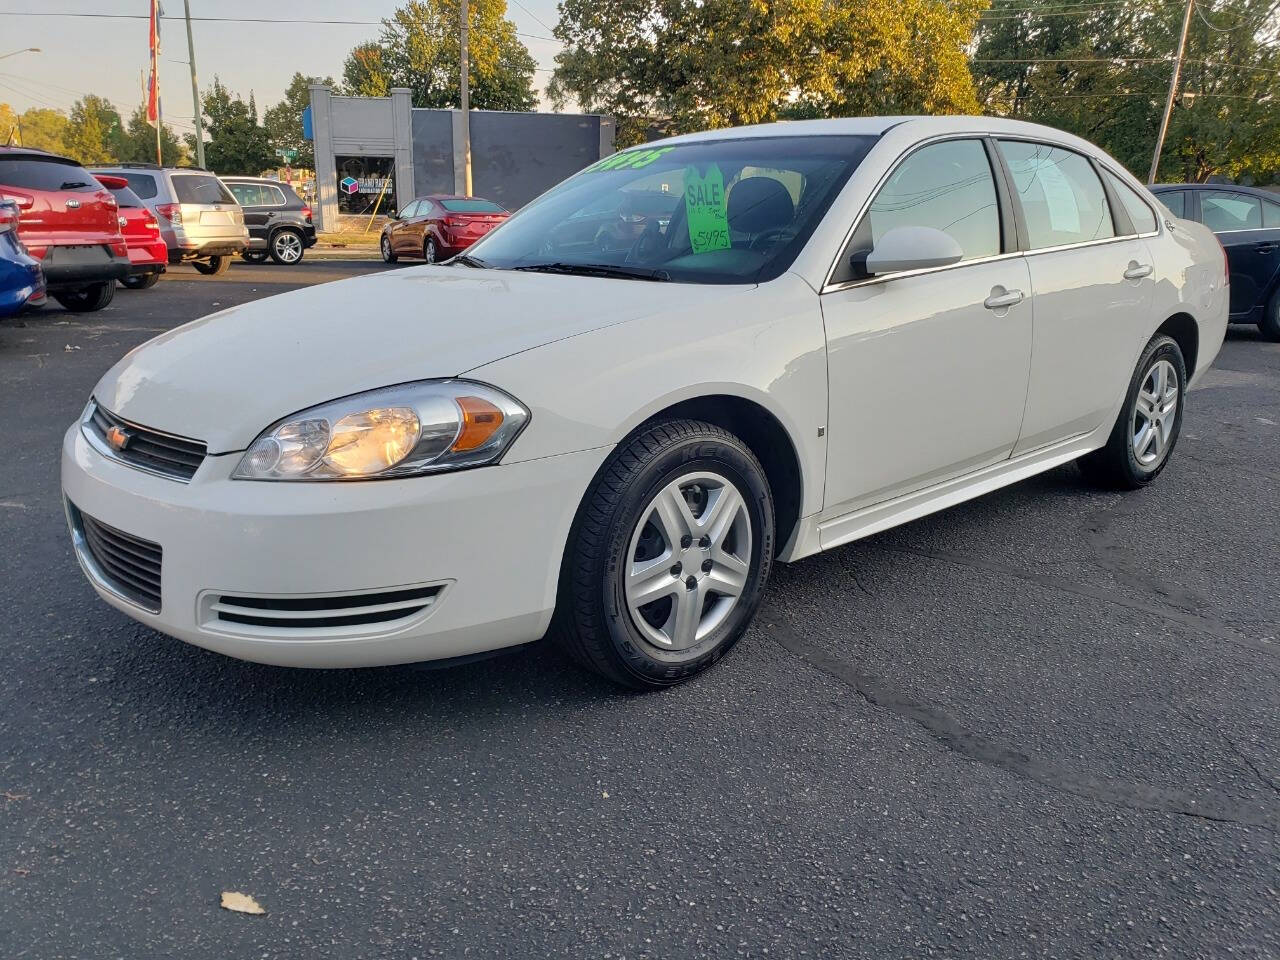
199	218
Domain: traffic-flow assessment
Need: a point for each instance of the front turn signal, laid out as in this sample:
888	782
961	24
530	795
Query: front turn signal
480	421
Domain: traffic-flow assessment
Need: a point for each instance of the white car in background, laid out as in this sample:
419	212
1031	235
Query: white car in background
611	431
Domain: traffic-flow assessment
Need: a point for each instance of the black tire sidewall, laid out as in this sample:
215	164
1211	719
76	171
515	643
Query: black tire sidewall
429	251
1162	348
384	247
271	247
644	664
90	299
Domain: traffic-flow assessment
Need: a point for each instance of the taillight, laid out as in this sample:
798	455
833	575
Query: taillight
170	211
21	199
8	217
151	225
1226	264
306	214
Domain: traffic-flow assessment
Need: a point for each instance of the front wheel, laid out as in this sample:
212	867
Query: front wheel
213	266
429	250
388	255
668	557
1149	423
88	299
254	256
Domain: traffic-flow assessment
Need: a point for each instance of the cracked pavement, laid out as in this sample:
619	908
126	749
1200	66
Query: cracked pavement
1041	724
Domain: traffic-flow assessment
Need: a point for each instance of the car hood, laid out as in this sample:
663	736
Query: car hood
226	377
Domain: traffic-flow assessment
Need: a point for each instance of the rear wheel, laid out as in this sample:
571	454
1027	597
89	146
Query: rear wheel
286	247
1149	423
1270	323
213	266
144	282
388	255
668	556
88	299
254	256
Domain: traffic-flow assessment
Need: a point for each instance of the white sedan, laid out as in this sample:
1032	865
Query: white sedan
611	416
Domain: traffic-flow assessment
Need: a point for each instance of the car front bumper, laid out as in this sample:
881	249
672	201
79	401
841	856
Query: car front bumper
490	540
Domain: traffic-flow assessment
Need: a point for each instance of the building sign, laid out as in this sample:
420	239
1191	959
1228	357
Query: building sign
350	185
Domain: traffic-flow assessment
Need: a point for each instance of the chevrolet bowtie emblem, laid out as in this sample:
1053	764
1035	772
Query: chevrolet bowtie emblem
118	438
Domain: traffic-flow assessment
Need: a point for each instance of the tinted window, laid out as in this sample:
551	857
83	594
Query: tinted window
200	188
143	184
947	186
1270	213
1220	210
1144	221
42	174
126	198
272	196
1062	198
1175	200
471	206
742	210
410	211
247	194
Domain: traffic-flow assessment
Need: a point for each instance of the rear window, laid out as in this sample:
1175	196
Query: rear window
199	188
39	174
126	198
471	206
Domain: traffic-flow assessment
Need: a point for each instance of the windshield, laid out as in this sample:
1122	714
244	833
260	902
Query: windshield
717	211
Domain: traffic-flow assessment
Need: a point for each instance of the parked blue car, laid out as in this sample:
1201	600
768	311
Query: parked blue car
1246	221
21	279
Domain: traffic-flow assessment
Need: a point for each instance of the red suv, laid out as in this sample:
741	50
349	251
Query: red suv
148	253
67	220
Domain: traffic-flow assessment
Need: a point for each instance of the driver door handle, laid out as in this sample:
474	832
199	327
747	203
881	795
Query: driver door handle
1137	271
999	301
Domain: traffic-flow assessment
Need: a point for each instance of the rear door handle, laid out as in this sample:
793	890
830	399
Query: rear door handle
1137	271
1000	301
1266	246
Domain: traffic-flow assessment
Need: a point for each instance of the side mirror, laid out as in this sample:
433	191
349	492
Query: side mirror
910	248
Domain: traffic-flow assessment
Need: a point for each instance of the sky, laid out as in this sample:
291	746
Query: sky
82	55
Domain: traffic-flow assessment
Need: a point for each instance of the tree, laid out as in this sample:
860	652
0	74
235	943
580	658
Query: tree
94	130
680	66
38	127
283	122
1103	73
418	49
137	142
237	144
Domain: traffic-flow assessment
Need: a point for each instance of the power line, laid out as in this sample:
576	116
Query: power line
537	18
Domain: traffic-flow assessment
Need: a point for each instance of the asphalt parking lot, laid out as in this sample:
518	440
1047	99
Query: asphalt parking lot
1043	724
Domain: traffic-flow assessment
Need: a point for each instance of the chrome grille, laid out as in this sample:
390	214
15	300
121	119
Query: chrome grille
144	448
125	564
294	614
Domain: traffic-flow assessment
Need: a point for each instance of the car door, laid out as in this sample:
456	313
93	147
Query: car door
928	369
1248	228
401	228
428	223
249	196
1093	285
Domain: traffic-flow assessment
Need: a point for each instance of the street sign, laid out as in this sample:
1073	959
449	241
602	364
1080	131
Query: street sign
287	153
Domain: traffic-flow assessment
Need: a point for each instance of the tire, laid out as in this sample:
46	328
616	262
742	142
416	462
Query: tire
388	255
429	250
88	299
254	256
1270	322
623	521
287	247
1132	458
214	267
144	282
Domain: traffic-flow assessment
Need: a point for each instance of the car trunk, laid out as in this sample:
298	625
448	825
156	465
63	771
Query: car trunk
471	226
206	202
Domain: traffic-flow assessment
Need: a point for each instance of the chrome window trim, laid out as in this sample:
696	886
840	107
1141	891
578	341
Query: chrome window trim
96	442
829	287
1159	218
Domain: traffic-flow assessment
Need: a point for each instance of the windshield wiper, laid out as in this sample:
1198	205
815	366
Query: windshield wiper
73	185
469	261
597	270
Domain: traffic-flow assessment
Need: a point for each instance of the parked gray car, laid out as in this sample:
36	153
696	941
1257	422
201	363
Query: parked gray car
199	218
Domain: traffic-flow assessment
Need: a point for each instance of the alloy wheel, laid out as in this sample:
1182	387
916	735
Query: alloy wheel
1155	414
688	560
429	252
288	247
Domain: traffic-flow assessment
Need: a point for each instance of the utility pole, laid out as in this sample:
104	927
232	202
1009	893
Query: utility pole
466	101
195	88
1173	92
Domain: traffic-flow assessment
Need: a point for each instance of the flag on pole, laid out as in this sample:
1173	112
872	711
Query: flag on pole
153	81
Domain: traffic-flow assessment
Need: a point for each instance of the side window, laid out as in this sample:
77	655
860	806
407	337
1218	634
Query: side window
410	211
1144	221
1062	198
1222	211
1270	213
143	184
246	194
947	186
274	196
1175	200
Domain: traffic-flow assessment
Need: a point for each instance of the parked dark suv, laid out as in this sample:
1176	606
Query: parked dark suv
279	222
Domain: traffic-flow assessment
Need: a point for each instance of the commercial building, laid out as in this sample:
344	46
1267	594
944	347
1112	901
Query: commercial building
382	151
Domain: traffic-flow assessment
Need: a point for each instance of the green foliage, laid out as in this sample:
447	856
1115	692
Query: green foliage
283	122
1224	123
137	142
94	131
418	49
237	143
37	127
677	66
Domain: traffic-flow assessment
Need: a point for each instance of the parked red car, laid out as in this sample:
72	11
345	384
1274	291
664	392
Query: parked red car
148	253
438	227
68	221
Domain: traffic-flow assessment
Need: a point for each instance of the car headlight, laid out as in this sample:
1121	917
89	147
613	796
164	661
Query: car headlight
400	431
